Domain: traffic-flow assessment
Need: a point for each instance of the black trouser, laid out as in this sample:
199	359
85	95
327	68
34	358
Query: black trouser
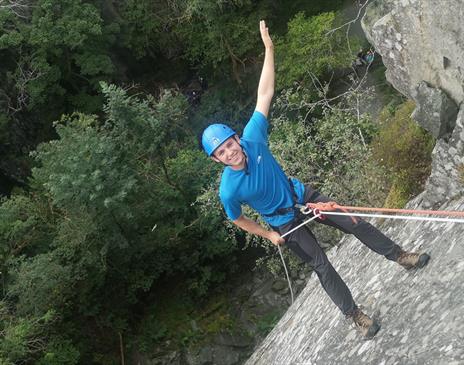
304	244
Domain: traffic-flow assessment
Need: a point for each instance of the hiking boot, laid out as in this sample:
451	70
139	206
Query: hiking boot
411	260
367	326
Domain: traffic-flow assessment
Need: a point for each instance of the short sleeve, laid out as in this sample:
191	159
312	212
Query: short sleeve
232	206
256	128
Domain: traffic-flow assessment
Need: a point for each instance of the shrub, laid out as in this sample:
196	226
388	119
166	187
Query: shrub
311	47
404	149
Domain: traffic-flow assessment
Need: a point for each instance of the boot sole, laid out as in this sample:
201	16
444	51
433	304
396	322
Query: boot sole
423	260
372	331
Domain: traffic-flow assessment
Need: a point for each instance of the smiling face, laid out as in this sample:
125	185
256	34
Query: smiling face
230	153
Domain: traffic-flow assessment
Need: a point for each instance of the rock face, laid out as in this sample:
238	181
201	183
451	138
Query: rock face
435	110
421	312
421	41
447	177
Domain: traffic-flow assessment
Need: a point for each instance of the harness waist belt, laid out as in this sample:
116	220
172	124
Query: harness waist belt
294	208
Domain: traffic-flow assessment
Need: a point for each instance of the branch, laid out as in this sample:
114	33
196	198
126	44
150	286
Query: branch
20	8
323	89
170	182
348	24
25	74
235	60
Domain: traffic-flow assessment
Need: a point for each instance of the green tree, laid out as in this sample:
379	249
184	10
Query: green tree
112	211
60	47
312	48
22	339
52	55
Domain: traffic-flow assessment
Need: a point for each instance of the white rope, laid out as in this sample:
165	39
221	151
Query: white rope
286	272
282	257
408	217
302	224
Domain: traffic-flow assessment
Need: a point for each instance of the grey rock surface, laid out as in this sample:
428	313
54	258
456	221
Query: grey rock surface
419	40
435	111
446	179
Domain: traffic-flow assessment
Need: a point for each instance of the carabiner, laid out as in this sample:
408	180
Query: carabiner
306	210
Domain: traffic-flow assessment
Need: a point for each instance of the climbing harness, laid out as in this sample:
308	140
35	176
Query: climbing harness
320	210
295	207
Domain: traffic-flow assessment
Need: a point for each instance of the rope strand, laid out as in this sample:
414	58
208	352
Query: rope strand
286	272
300	225
407	217
411	211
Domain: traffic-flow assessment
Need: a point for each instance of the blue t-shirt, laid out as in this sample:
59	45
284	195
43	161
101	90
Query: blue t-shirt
262	185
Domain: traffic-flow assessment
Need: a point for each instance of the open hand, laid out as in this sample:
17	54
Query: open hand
265	34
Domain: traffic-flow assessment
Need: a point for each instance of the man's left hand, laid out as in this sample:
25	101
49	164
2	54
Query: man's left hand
265	34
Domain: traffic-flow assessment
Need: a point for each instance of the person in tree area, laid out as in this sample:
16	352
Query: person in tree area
252	176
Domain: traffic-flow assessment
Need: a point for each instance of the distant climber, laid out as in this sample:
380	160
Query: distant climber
359	60
369	57
252	176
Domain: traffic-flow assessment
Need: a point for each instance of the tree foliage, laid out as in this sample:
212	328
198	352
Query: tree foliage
312	48
112	212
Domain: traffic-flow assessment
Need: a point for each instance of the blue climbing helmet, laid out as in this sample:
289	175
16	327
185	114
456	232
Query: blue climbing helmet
214	136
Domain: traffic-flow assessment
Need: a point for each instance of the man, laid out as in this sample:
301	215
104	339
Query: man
252	176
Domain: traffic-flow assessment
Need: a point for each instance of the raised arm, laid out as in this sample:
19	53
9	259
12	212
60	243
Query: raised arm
266	81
